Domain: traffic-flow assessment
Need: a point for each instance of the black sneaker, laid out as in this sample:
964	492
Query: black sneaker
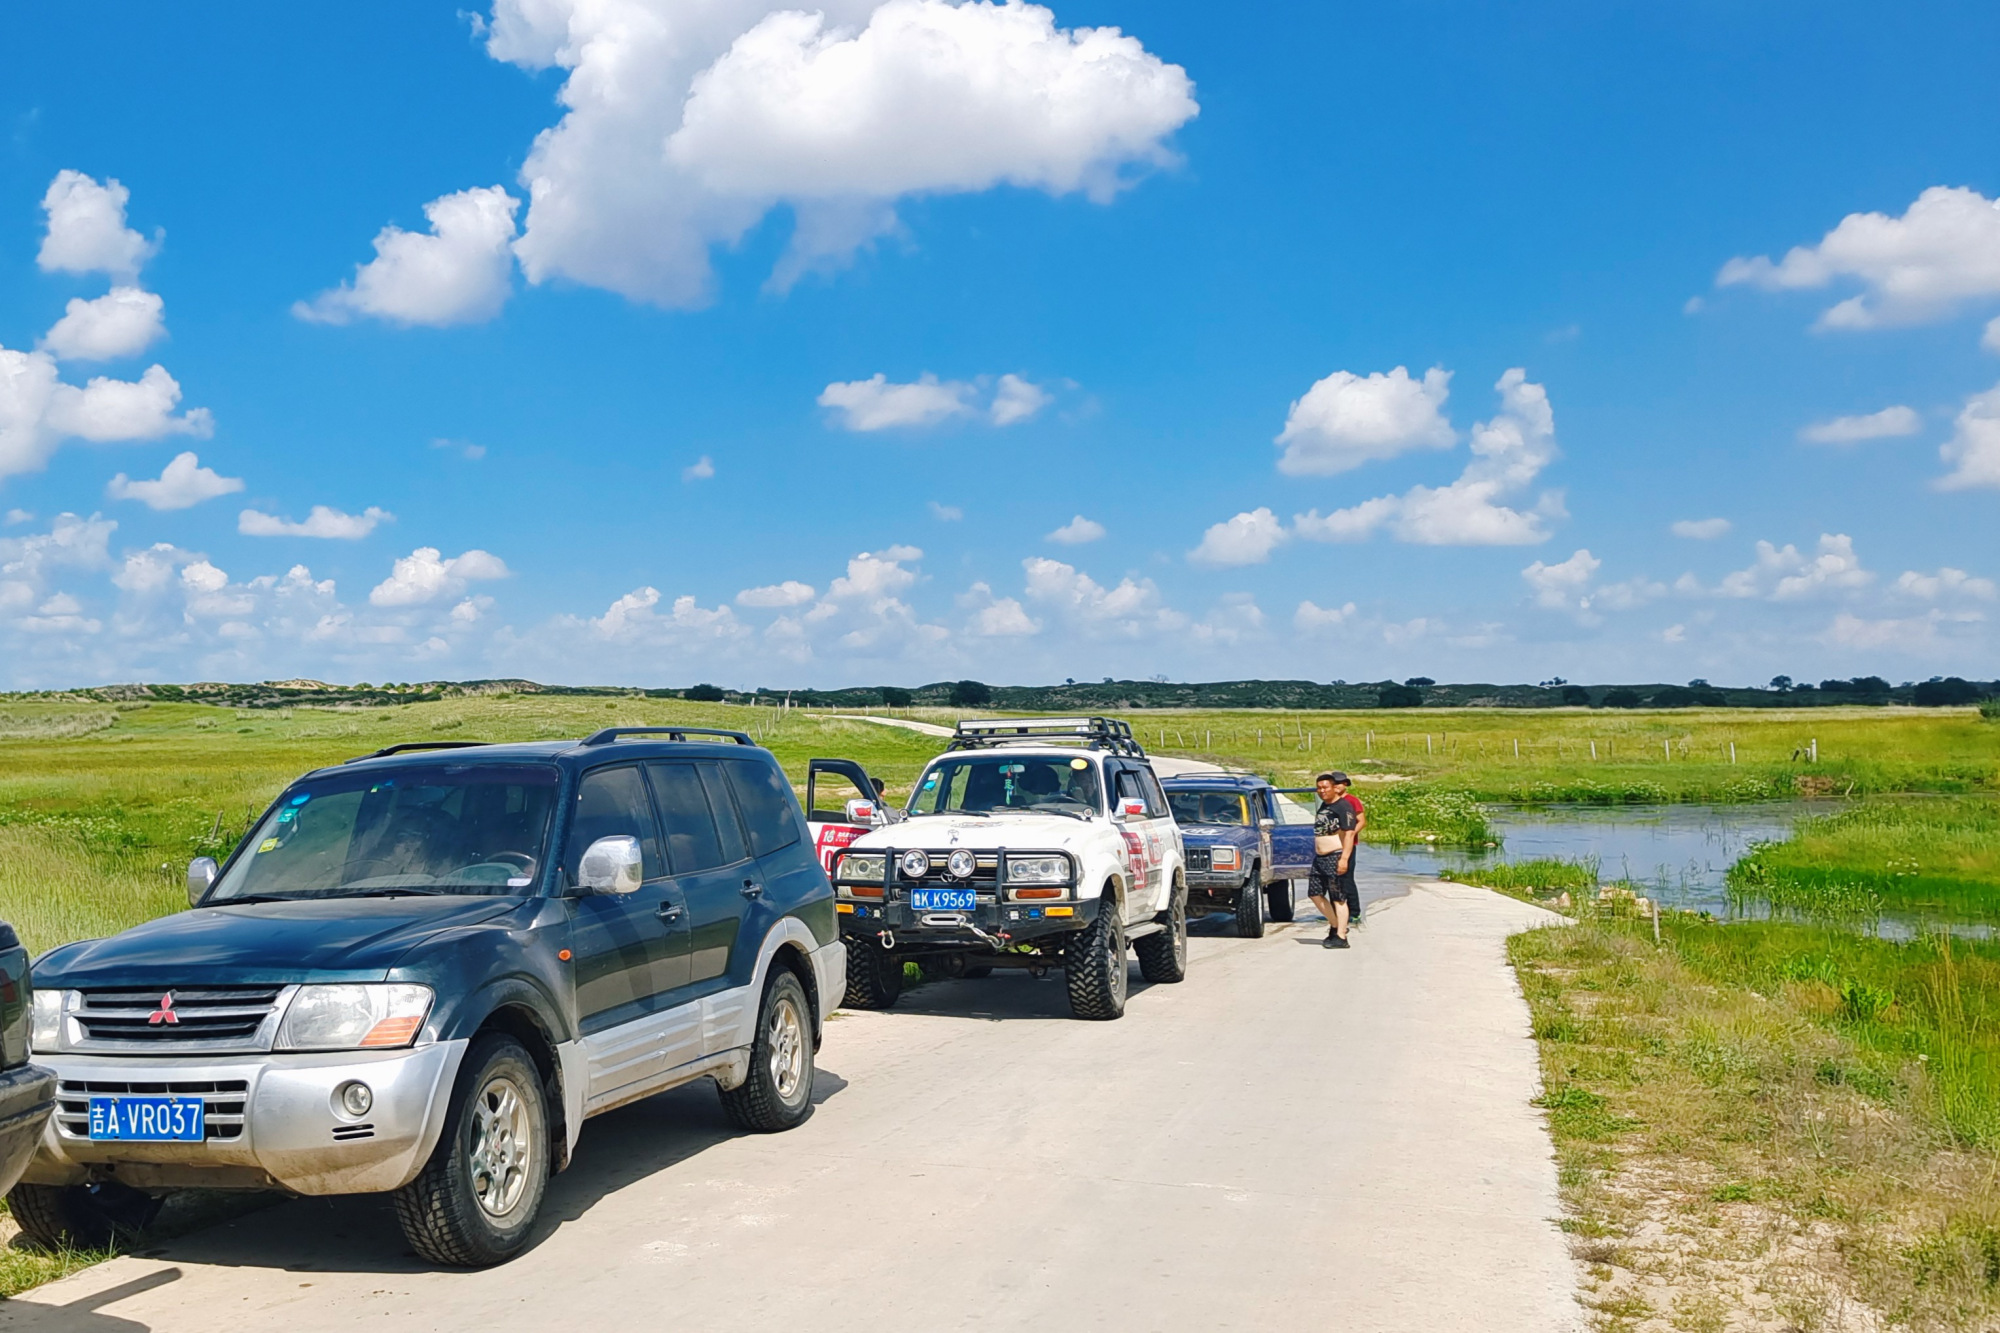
1338	942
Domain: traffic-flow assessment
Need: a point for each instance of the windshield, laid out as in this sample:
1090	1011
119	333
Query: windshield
1208	807
979	783
454	828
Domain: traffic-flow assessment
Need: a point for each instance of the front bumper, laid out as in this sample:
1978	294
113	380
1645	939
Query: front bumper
1217	883
990	925
27	1096
271	1120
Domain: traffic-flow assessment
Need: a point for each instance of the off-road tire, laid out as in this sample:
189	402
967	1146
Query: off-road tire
440	1211
874	976
977	972
1163	955
1250	908
1278	894
1094	965
777	1093
80	1217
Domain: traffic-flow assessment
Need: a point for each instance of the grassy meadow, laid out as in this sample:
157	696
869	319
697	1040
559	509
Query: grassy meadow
1758	1124
1935	856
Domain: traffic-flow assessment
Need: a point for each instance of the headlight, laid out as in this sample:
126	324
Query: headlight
1038	870
1222	858
350	1018
860	868
46	1033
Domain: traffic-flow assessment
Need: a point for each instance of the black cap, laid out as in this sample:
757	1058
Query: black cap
1336	776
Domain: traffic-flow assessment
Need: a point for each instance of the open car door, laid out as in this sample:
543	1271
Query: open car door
841	805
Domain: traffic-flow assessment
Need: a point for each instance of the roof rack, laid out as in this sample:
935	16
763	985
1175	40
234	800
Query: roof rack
610	734
1096	733
416	745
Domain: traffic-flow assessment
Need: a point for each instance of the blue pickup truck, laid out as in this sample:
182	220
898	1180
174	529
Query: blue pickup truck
1247	843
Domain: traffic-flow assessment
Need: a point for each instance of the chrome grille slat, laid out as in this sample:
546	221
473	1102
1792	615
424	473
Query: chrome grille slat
225	1102
200	1014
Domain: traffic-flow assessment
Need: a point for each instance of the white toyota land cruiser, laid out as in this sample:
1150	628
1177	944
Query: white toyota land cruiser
1035	843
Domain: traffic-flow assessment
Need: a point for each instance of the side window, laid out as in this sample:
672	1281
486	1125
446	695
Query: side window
728	827
693	842
1156	800
770	812
612	802
1127	787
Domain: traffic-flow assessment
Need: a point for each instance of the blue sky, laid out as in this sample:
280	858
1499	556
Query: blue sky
1364	340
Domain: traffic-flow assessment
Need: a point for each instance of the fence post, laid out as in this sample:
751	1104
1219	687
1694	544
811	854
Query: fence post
1815	749
1593	749
1732	752
1667	750
1517	747
1427	742
1656	921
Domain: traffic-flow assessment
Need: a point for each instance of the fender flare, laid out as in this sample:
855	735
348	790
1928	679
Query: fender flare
790	931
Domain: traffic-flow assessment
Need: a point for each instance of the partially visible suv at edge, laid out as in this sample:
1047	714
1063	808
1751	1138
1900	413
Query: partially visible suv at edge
27	1092
1247	845
423	969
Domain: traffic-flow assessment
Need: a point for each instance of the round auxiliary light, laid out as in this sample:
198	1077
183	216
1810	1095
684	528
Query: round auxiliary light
355	1098
915	864
960	864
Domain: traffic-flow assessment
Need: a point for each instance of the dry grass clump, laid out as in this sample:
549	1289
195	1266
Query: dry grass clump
54	888
1733	1158
54	724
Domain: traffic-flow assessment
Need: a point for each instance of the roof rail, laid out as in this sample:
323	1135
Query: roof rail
416	745
610	734
1096	733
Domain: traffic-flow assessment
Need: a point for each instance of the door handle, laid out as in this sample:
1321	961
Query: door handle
669	912
752	889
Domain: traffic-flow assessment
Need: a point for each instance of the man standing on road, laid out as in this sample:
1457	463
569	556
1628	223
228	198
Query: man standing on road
1332	878
1354	848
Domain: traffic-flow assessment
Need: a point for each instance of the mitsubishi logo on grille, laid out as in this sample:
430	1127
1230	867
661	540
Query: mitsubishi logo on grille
165	1013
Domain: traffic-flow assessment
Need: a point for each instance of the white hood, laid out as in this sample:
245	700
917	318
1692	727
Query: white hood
1057	832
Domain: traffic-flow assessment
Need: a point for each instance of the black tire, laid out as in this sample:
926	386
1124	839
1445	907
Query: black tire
1094	965
1250	908
874	976
1279	895
1163	956
978	971
777	1094
459	1210
80	1217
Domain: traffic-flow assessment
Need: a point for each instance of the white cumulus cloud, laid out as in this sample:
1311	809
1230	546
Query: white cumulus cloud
1130	610
1700	529
182	485
424	576
1562	586
1247	539
457	273
122	322
789	593
1016	400
1973	451
1783	573
1945	584
1508	453
321	521
1886	424
700	470
684	125
1942	252
877	404
38	411
1077	532
1346	420
1311	616
86	229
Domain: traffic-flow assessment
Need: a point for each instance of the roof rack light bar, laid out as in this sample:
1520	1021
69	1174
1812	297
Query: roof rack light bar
417	745
1096	733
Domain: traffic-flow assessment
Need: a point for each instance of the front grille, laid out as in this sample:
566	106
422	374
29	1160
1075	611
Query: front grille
349	1133
222	1117
1197	859
207	1014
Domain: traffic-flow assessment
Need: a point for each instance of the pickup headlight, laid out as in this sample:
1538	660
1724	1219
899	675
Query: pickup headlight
1037	870
374	1016
861	868
1222	858
45	1034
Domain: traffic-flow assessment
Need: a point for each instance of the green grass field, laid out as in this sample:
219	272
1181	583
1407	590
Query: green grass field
101	807
1938	856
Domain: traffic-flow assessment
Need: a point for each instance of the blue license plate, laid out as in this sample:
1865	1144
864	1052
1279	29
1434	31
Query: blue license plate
147	1119
941	900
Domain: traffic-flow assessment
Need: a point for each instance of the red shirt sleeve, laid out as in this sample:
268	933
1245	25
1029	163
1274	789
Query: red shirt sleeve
1355	801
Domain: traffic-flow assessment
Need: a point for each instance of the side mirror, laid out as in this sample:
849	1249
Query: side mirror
1267	823
611	865
860	811
1131	808
202	872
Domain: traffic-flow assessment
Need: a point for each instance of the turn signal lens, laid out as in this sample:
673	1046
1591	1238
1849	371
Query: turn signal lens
1223	858
1037	893
354	1017
392	1032
1060	911
862	890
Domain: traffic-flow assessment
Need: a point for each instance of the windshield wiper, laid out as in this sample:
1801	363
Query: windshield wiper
940	814
391	893
253	898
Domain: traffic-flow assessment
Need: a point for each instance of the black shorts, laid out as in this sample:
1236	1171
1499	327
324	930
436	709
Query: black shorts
1327	881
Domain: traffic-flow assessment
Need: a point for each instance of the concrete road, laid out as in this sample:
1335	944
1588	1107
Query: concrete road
1292	1138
